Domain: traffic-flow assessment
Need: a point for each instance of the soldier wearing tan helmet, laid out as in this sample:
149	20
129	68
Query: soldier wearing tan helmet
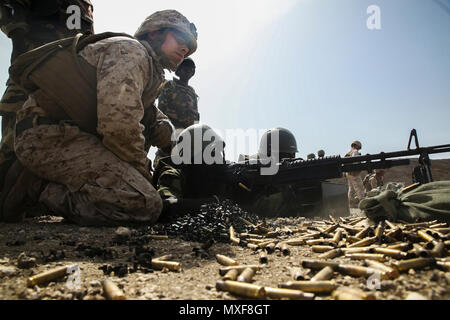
355	185
103	177
374	180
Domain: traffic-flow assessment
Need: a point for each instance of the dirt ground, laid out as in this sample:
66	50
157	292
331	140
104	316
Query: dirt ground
54	243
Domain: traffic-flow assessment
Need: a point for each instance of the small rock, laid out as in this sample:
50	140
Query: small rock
411	272
415	296
4	260
7	271
434	276
388	285
123	232
25	262
208	287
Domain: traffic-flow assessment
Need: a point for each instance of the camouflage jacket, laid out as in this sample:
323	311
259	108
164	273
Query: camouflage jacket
179	103
32	23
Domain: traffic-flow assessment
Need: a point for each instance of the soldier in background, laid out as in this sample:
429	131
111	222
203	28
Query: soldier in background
178	100
374	180
30	24
356	189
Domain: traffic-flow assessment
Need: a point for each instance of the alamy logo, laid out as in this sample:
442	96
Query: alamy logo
374	281
374	20
74	20
74	279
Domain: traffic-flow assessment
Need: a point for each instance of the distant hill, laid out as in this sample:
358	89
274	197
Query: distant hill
440	170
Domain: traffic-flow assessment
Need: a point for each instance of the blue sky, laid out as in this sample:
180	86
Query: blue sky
314	67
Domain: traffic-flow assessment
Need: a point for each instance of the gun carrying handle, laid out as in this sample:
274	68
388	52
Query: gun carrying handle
416	140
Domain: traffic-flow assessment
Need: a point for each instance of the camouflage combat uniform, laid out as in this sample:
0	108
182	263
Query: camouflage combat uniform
356	189
372	181
103	182
29	28
179	103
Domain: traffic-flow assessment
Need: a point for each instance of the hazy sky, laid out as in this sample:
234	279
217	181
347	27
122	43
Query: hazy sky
312	66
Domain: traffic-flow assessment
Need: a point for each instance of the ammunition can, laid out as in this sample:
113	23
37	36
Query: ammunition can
337	236
318	264
393	253
285	249
278	293
425	236
417	263
231	275
242	289
48	276
357	271
345	293
331	254
391	273
364	242
270	248
404	246
246	275
444	265
321	249
297	274
163	258
364	256
226	261
171	265
112	292
310	286
223	271
263	258
323	275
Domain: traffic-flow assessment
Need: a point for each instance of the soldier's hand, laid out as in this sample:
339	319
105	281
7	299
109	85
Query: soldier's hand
162	135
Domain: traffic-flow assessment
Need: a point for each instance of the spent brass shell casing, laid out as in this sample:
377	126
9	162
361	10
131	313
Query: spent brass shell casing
351	239
364	242
285	249
391	225
112	291
242	289
444	265
270	248
295	242
318	264
247	275
49	275
226	261
447	244
355	221
171	265
223	271
391	273
278	293
379	231
438	225
323	275
263	245
364	256
438	250
425	236
321	249
356	271
309	286
331	229
331	254
252	246
231	275
337	236
321	242
393	253
332	219
263	258
442	230
158	237
233	237
297	274
350	229
370	249
163	258
404	246
417	263
345	293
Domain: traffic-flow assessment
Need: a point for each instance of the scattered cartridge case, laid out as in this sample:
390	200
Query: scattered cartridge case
171	265
444	265
417	263
233	237
321	249
223	271
158	237
231	275
412	236
393	253
356	221
364	242
309	286
337	236
270	248
332	219
247	222
418	251
320	242
226	261
112	291
404	246
263	245
364	256
331	228
391	273
272	234
295	242
425	236
331	254
436	235
285	249
252	246
48	276
379	231
242	289
438	225
323	275
263	258
356	271
391	225
438	249
297	274
352	239
163	258
350	229
447	244
370	249
278	293
247	275
318	264
345	293
442	230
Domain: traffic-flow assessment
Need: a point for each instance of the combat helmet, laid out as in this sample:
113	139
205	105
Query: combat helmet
287	142
170	19
356	144
321	153
202	142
